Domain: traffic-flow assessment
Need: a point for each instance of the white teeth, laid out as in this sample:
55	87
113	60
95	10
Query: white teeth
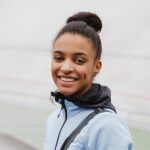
67	79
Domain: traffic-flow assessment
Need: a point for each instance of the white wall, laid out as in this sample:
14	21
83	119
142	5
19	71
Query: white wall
27	28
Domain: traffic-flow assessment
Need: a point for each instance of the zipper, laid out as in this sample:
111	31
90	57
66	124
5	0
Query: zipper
63	107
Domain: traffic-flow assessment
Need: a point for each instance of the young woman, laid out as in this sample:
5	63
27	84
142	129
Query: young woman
75	62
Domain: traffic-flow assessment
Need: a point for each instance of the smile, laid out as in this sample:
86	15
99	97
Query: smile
67	79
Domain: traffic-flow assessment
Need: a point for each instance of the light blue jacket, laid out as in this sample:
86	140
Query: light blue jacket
106	131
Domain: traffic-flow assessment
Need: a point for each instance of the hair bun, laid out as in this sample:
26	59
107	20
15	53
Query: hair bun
90	18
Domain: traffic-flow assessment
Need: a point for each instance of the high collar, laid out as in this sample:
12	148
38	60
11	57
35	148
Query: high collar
97	96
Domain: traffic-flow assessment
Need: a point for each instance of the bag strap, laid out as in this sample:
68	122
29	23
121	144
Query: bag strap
73	135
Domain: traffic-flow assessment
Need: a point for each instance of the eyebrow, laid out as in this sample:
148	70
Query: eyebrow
80	53
57	51
76	54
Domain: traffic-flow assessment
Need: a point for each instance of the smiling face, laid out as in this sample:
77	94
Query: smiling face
73	64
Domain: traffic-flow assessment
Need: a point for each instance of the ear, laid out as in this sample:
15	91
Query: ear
98	66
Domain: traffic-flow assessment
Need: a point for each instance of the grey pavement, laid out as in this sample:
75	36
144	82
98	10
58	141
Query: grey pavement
8	142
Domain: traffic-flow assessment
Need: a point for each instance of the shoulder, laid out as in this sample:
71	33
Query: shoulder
105	129
108	119
107	122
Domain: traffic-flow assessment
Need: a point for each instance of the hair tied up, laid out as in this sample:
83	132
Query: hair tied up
90	18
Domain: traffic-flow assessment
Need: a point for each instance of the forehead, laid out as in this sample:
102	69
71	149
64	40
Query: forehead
74	43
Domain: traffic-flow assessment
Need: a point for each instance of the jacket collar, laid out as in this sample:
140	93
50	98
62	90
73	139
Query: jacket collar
97	96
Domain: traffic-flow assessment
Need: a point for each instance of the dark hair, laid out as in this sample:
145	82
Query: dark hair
86	24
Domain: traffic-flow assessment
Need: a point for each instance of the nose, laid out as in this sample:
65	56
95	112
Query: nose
67	66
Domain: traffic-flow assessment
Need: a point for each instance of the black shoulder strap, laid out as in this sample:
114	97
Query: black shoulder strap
73	135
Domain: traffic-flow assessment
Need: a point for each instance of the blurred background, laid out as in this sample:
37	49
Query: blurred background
27	29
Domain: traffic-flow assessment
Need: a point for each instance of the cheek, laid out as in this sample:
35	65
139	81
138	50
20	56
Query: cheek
54	68
90	72
86	72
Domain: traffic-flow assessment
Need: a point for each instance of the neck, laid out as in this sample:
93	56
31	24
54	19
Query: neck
81	92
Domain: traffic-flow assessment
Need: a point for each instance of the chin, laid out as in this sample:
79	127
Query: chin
67	92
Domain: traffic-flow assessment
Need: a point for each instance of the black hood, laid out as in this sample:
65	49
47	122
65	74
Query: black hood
97	96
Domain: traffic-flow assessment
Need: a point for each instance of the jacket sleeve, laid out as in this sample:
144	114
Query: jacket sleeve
107	132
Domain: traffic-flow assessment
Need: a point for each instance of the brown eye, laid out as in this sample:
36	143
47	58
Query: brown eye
58	58
79	61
